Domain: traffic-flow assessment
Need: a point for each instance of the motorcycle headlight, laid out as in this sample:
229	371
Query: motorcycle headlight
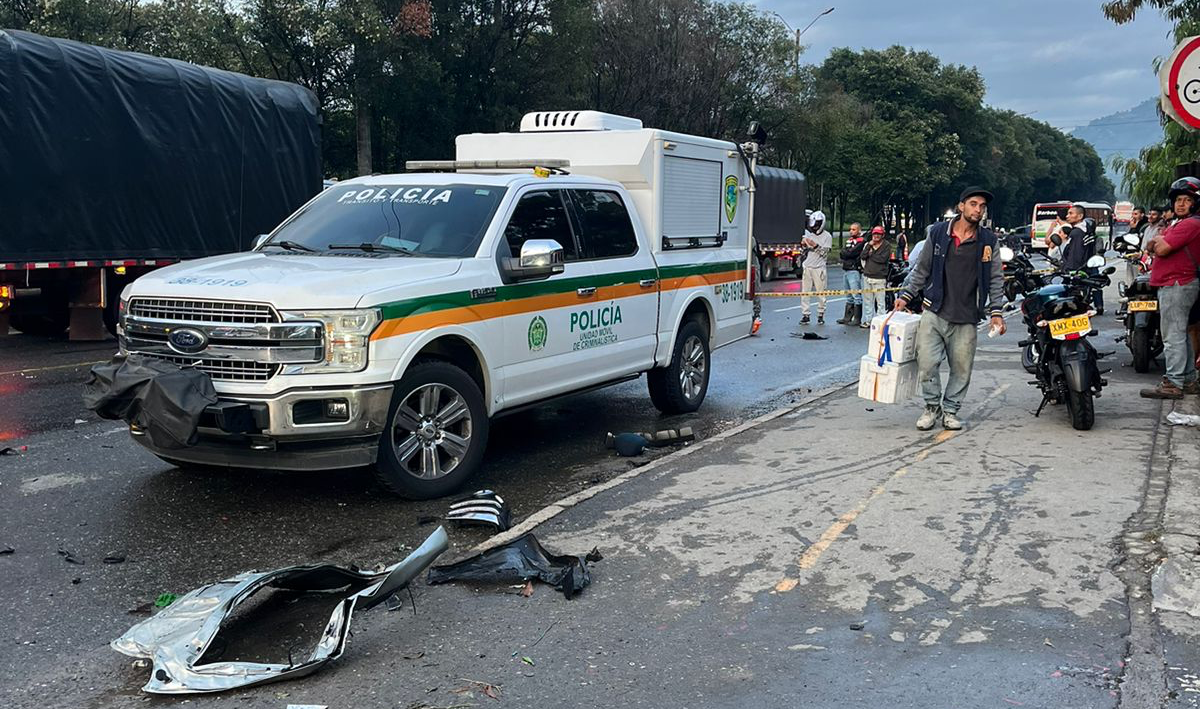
347	339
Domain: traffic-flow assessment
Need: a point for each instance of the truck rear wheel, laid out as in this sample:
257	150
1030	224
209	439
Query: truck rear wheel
436	432
680	387
767	269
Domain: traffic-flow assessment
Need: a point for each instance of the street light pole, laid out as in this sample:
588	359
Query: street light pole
800	33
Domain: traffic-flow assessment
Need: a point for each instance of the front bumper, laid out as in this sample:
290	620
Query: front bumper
281	432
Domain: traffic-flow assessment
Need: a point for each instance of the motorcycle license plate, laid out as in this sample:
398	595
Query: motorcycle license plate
1070	326
1142	305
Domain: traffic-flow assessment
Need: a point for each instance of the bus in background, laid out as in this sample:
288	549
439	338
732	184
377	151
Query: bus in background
1122	219
1049	217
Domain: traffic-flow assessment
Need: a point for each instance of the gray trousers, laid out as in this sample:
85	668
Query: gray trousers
1174	304
939	340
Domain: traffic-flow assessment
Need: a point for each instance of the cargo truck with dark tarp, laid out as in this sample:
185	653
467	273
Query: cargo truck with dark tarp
114	163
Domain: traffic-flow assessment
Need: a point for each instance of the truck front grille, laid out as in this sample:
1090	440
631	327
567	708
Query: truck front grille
202	311
227	370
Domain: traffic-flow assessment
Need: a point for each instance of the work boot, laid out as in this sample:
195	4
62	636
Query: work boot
856	314
951	421
1164	390
1192	387
820	318
804	320
847	315
931	416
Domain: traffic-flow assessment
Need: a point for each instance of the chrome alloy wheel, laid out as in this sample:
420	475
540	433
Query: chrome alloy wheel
694	364
432	431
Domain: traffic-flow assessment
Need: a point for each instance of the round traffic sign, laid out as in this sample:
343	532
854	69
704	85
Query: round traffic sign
1183	82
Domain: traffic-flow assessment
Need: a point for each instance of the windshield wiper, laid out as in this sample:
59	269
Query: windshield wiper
290	246
372	248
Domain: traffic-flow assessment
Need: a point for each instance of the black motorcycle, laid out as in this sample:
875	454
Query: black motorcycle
1143	334
897	273
1058	353
1020	276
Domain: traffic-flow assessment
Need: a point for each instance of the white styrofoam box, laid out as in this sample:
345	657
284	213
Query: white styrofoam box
902	331
893	383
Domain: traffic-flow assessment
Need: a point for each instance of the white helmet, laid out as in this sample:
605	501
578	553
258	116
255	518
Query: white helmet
815	218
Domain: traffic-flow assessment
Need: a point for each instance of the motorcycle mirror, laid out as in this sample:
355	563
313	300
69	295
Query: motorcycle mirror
1109	271
1006	254
1056	239
1095	262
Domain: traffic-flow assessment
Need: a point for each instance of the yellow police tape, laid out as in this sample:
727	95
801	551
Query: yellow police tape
816	293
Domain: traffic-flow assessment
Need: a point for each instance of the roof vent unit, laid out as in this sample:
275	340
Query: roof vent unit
559	121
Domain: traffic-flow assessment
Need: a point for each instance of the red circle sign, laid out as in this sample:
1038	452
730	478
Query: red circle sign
1183	83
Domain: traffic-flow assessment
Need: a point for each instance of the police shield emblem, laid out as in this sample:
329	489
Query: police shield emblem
731	197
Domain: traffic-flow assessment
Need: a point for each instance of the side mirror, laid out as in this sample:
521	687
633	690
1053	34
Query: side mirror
259	241
1006	254
1109	271
1056	239
1095	262
540	258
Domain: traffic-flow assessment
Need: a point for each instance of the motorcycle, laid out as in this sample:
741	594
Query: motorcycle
1143	334
1020	276
1057	352
897	272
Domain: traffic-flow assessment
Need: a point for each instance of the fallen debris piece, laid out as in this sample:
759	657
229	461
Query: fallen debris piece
10	450
161	400
857	626
6	549
114	559
629	444
520	560
1176	419
69	557
490	690
528	661
669	437
483	507
186	640
809	336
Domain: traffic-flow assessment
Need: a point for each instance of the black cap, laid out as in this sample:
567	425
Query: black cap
973	191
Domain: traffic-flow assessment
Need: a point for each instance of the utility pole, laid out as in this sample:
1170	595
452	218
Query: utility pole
800	33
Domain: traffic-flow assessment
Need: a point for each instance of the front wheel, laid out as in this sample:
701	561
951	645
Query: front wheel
1080	407
436	432
1139	345
680	387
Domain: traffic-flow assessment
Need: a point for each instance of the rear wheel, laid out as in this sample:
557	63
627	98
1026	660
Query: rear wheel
680	387
1139	345
436	432
1080	407
768	269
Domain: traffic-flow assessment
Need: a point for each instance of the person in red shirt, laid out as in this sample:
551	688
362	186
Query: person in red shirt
1174	273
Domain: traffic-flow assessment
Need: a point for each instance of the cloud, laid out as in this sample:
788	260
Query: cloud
1060	58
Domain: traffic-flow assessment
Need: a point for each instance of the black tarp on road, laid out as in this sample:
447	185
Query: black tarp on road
107	154
779	201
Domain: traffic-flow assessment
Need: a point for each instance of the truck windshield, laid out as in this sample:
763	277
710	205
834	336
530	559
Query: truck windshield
441	221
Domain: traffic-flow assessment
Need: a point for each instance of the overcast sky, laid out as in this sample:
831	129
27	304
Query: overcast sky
1061	59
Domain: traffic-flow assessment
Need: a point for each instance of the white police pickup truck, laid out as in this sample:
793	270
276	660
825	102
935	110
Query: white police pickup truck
387	320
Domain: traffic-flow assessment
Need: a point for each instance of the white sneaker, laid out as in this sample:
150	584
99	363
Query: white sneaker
930	417
951	422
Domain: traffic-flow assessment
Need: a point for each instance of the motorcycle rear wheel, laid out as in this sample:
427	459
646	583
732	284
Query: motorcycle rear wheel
1080	407
1139	345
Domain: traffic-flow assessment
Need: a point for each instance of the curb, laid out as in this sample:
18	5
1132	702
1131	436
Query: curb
554	509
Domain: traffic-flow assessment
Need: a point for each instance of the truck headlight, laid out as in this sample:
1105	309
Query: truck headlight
347	339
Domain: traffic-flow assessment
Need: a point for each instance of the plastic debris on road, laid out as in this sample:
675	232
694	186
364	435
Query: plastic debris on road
520	560
484	507
189	641
1176	419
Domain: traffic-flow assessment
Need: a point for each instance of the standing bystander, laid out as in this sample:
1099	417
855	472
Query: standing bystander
875	257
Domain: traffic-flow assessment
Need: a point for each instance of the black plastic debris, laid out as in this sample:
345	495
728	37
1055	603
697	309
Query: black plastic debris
520	560
809	336
6	549
160	399
114	559
69	557
658	439
484	508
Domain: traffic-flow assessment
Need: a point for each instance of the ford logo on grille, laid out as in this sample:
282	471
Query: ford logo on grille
187	341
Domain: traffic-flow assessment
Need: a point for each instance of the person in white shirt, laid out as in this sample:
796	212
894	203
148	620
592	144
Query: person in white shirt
817	242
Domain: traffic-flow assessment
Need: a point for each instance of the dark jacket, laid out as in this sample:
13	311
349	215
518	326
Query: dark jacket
875	260
929	272
851	253
1079	249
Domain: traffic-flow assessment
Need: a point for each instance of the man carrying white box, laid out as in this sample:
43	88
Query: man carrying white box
963	280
